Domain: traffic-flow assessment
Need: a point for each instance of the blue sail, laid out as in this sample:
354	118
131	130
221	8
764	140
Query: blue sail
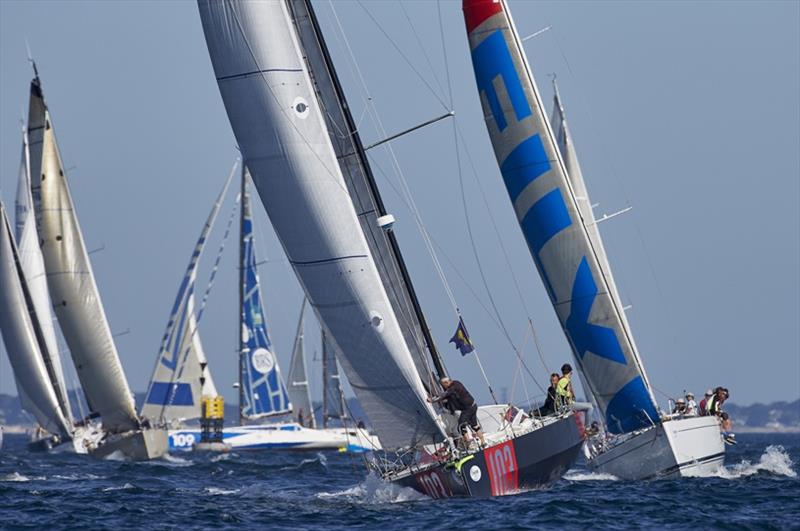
263	390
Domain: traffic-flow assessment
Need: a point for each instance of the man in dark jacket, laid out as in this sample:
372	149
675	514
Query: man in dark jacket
549	406
457	396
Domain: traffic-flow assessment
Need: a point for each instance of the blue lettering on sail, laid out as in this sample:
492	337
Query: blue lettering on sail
174	394
631	408
586	336
492	58
546	218
523	165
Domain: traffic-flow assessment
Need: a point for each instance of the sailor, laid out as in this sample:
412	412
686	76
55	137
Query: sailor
549	406
704	402
680	407
715	405
300	419
691	405
457	396
564	391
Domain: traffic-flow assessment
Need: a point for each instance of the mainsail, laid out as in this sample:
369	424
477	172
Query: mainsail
32	264
332	394
181	376
299	390
263	390
574	271
70	278
279	123
23	339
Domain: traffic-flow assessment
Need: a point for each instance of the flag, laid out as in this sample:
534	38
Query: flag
461	338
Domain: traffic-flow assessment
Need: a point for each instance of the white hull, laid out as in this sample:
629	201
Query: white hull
137	445
289	436
691	446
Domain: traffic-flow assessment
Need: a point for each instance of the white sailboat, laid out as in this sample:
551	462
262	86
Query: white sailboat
544	181
75	296
284	103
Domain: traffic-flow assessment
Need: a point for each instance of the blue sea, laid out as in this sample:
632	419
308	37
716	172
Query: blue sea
758	488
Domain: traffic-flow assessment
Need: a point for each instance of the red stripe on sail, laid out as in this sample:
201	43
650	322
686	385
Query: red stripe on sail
476	11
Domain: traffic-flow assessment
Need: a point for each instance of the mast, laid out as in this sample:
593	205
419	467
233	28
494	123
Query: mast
239	333
324	382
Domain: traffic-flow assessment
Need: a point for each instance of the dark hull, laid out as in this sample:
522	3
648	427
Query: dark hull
532	460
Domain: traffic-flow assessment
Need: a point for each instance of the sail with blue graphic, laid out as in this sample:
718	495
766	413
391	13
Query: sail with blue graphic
263	390
567	254
181	376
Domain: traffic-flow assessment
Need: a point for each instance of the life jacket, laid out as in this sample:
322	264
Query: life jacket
562	390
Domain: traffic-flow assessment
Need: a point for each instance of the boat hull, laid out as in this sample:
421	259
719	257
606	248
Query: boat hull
136	445
532	460
685	447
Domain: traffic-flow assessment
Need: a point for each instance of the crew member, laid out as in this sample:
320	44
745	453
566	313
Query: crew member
680	407
691	405
564	391
704	402
549	406
457	396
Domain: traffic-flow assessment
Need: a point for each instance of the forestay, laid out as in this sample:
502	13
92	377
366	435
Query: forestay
299	390
282	133
181	376
264	391
23	339
573	269
71	280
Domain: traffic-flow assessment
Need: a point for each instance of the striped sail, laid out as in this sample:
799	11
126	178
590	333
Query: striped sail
181	376
264	391
32	264
23	339
574	271
70	278
297	381
279	125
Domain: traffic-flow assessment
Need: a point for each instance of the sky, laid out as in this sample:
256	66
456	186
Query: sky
687	112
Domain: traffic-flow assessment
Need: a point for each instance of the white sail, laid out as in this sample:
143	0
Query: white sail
332	394
71	280
22	339
278	122
32	263
298	388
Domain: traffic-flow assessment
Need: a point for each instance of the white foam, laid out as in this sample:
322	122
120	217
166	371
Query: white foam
575	475
215	491
773	461
320	459
77	477
16	477
374	491
126	486
174	460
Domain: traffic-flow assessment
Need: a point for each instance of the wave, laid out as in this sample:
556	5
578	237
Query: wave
216	491
77	477
320	459
374	491
174	460
774	461
126	486
16	477
576	475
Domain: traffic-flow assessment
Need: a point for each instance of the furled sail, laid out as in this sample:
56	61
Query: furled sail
299	390
263	390
181	376
279	125
23	339
69	273
332	395
574	274
32	264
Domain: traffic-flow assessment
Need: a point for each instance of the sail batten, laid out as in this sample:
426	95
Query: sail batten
566	250
278	122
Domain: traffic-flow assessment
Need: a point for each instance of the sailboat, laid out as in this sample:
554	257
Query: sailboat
540	169
300	143
263	393
75	296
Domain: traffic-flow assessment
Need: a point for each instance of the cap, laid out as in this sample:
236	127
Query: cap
680	401
689	394
709	392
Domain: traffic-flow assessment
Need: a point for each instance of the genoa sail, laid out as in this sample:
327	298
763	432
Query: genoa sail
263	389
299	390
278	122
23	339
181	376
71	280
568	261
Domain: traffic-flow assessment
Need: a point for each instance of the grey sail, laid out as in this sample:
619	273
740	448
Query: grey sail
279	124
332	394
71	280
23	339
297	385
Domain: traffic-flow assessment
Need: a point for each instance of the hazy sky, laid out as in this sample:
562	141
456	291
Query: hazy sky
689	112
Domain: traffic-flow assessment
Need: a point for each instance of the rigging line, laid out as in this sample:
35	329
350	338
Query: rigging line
214	269
422	48
399	51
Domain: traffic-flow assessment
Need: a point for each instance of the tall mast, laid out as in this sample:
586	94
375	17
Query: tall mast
324	382
242	191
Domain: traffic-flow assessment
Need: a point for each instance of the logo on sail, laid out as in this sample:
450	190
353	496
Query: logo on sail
263	360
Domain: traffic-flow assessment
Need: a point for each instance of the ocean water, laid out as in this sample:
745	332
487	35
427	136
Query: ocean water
758	488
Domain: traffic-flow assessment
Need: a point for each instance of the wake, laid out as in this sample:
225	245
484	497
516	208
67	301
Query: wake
374	491
576	475
774	461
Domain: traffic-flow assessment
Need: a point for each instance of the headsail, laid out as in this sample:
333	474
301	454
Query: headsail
299	390
332	395
262	384
32	263
279	124
575	276
23	339
181	376
71	280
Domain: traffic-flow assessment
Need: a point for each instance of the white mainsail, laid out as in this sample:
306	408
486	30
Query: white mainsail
297	387
332	394
32	264
278	122
71	280
23	339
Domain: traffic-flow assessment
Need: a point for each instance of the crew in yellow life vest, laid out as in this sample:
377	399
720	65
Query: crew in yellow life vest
564	392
